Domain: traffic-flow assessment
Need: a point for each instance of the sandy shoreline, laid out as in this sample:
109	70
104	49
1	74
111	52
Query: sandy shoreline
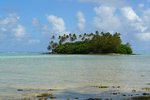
100	92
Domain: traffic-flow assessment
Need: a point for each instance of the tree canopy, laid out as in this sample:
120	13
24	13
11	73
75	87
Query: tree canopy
93	43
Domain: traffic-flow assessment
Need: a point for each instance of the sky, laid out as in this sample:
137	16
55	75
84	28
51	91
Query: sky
27	25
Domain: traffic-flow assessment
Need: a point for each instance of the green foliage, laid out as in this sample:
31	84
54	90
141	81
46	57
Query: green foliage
105	43
72	48
98	43
124	49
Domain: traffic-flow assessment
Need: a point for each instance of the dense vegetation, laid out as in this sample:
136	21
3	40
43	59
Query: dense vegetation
93	43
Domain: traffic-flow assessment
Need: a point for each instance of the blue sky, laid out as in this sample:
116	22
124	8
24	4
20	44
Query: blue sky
26	25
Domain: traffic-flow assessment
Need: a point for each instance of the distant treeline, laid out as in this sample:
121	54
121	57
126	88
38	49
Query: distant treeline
93	43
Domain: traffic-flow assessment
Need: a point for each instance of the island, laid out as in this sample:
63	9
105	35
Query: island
93	43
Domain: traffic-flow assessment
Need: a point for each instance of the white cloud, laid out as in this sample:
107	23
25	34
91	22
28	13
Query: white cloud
58	24
138	27
11	27
143	36
12	32
19	31
80	21
129	13
133	19
146	17
104	11
105	19
11	19
114	15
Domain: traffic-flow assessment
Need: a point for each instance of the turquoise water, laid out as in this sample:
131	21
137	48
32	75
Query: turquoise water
37	71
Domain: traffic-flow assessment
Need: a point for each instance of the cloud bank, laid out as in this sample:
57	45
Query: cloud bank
11	27
57	23
80	21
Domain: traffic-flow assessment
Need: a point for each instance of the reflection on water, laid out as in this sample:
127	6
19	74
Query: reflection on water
69	71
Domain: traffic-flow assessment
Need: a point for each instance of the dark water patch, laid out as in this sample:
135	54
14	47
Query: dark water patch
105	87
101	86
148	83
94	99
139	98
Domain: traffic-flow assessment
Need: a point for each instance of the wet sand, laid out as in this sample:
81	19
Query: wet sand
100	92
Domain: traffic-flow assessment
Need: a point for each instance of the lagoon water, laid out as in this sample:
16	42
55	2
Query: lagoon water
38	71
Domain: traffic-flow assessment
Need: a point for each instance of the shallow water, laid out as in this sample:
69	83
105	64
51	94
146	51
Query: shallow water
37	71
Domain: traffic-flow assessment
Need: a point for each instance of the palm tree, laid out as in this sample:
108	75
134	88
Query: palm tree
74	36
85	34
59	37
117	34
53	37
102	33
51	45
80	36
91	34
70	35
67	36
71	39
97	32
